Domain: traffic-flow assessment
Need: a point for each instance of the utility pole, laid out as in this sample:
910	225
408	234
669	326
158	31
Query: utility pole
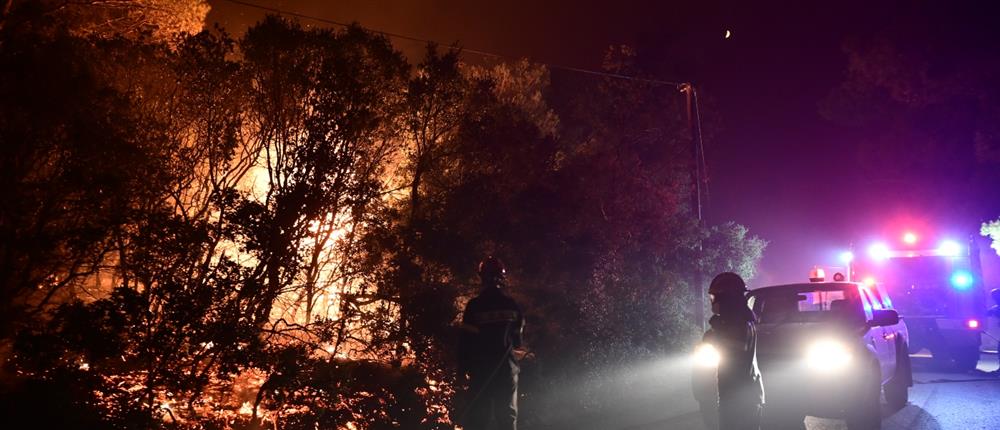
697	177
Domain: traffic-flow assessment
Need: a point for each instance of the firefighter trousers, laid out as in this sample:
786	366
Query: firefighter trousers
739	415
495	402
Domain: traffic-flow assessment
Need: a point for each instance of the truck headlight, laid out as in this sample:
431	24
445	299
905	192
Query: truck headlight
705	355
828	355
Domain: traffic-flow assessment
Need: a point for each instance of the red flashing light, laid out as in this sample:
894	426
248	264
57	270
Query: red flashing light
973	324
909	238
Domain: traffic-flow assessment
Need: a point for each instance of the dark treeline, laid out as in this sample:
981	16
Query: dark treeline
202	232
921	96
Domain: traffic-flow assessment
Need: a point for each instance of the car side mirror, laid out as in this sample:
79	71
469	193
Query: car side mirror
884	317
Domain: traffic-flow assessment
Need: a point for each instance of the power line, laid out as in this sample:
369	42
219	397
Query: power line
469	50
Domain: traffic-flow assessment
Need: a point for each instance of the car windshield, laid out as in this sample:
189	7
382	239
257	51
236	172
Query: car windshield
808	304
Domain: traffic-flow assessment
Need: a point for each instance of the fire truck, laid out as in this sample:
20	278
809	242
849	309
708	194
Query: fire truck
936	286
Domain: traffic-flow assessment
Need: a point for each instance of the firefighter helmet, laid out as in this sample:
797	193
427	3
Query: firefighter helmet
492	271
727	283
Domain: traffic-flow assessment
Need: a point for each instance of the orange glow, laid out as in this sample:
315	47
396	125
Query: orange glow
909	238
869	281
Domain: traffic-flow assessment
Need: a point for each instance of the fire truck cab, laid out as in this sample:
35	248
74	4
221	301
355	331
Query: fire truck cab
937	289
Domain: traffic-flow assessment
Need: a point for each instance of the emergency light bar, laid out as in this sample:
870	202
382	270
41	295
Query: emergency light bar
948	248
943	251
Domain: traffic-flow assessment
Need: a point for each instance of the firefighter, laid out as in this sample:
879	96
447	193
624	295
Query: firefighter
489	351
994	311
733	332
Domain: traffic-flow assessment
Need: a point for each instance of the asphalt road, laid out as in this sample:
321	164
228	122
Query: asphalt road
940	399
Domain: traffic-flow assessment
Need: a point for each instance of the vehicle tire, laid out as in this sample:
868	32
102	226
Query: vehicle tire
897	391
709	414
867	413
868	417
966	359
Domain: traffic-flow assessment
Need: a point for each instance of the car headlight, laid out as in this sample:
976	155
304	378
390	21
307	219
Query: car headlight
705	355
828	355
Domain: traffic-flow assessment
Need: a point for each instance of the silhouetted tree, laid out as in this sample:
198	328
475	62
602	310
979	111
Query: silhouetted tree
162	20
77	161
217	233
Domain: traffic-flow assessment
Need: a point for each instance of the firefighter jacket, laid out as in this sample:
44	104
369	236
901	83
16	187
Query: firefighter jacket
492	326
735	337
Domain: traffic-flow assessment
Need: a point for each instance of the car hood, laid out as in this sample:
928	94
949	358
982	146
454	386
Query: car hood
792	339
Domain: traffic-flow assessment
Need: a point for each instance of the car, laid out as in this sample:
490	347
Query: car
827	349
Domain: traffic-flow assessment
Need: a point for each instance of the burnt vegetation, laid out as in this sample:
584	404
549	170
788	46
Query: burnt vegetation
208	232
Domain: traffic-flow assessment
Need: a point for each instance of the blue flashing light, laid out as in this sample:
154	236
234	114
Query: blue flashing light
961	280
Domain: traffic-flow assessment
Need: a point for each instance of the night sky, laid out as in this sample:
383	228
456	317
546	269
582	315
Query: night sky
775	164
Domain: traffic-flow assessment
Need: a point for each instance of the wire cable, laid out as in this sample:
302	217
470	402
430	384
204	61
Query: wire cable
703	166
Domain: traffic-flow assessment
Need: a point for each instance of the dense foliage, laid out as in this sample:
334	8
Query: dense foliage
218	233
991	229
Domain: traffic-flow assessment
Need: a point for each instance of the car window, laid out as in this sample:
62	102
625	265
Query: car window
870	296
805	305
880	291
818	301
